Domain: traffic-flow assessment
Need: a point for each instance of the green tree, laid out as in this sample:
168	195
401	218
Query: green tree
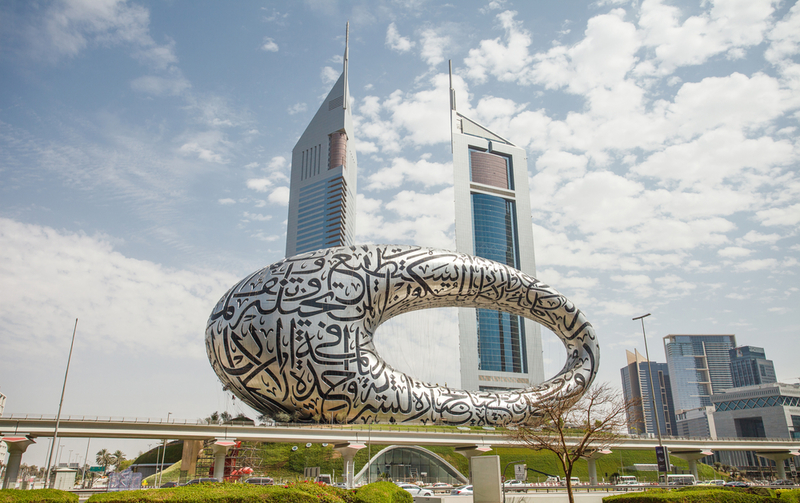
104	459
119	458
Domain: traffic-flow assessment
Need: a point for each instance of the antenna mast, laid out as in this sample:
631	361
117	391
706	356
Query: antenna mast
452	103
346	57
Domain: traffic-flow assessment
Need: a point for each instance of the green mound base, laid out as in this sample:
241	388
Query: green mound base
708	495
37	496
301	492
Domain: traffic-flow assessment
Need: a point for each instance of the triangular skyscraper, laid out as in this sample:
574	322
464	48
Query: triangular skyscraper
499	351
322	203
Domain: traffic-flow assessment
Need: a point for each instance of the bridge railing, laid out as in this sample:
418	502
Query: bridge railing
433	428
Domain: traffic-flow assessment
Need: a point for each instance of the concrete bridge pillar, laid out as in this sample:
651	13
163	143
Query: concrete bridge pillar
220	449
16	446
779	457
348	451
691	456
590	461
470	451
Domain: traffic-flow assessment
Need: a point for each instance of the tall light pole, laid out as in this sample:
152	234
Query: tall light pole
652	388
163	456
58	417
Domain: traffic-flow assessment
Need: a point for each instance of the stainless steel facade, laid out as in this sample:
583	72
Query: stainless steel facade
296	337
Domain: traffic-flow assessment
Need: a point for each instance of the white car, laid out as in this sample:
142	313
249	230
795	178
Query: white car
415	490
461	491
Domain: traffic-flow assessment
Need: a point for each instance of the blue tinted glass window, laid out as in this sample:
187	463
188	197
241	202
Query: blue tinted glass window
501	336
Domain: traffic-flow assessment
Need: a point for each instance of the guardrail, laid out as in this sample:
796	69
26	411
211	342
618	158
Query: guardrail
485	430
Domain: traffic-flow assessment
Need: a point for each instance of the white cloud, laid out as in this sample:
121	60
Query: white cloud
507	62
280	196
329	75
727	25
70	26
202	153
433	46
297	108
226	201
124	305
402	170
277	162
256	216
785	38
757	264
412	218
396	42
259	184
160	86
734	252
787	215
757	237
269	45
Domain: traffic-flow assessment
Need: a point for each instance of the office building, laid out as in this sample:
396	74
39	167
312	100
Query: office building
699	366
750	367
697	423
765	410
761	411
499	351
636	387
322	202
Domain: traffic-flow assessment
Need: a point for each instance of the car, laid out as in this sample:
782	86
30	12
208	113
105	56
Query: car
169	484
736	483
782	482
442	485
415	490
461	491
203	480
260	481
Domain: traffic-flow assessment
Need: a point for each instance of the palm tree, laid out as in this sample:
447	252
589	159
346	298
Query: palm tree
119	457
104	459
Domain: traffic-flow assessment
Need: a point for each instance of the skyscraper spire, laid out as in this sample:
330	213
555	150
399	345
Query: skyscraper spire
344	69
322	190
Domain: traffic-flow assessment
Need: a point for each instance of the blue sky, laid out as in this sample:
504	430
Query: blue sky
144	151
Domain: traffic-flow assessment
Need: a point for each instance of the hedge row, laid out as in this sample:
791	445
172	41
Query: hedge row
708	495
302	492
37	496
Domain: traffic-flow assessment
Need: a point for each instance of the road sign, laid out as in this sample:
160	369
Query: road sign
95	468
521	472
662	457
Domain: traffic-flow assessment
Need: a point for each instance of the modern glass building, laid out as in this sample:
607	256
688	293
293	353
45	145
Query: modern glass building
499	351
408	463
749	367
699	366
322	202
636	386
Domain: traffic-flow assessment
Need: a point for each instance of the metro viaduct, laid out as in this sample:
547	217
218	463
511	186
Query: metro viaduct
21	431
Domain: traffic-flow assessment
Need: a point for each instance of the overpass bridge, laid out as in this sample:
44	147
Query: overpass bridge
19	431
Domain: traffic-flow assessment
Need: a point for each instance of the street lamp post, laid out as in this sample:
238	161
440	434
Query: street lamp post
163	456
60	403
652	388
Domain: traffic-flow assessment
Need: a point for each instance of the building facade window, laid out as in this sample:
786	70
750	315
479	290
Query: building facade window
490	168
501	336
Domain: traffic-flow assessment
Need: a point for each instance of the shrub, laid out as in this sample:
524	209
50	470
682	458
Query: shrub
325	493
692	495
210	493
789	495
37	496
382	492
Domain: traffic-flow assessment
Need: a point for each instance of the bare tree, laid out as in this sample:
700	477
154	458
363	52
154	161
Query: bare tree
573	427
